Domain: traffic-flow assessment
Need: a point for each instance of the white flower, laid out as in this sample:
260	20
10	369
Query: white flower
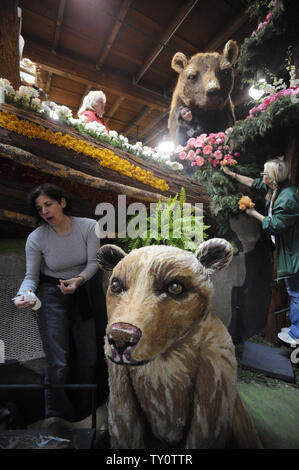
75	122
6	86
174	165
163	158
45	109
123	138
113	134
63	112
96	127
36	102
27	92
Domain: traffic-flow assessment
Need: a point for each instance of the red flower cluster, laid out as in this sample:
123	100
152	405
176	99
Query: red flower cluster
261	24
207	148
270	99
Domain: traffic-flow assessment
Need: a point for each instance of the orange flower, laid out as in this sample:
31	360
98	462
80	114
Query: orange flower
245	203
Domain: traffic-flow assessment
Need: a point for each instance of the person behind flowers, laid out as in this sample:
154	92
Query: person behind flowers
93	108
281	224
61	266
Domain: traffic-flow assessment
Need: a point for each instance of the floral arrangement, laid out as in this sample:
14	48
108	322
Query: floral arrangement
266	130
276	32
104	157
245	203
262	23
27	97
291	92
209	149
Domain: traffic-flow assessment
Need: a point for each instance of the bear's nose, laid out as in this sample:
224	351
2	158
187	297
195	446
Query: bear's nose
213	92
123	336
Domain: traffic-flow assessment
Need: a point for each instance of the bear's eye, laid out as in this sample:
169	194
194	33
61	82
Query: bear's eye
116	286
191	76
175	288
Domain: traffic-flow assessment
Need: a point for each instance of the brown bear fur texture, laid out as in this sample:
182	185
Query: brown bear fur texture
204	86
172	366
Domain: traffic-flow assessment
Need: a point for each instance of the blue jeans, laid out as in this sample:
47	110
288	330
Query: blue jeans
71	350
292	285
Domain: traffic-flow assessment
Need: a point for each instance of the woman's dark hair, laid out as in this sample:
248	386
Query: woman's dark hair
50	190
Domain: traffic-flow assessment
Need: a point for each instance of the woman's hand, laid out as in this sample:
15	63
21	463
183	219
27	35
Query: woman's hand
255	214
69	286
226	170
21	303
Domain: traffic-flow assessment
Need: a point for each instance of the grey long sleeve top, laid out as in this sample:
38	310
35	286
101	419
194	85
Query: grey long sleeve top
61	256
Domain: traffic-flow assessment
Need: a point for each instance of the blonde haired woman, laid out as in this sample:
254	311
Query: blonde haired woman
281	224
93	107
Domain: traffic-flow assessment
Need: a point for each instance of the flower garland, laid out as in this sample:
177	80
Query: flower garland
27	98
262	23
207	149
105	157
292	92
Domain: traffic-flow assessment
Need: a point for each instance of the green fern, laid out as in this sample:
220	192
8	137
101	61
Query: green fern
169	225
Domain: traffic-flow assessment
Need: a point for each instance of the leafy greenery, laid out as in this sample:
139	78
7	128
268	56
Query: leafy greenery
224	193
268	127
171	224
276	35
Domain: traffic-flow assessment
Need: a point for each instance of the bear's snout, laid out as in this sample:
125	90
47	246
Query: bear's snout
123	338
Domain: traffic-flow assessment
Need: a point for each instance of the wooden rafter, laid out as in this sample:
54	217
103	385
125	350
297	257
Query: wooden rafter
59	20
48	83
75	69
113	34
156	121
117	103
144	112
227	33
167	35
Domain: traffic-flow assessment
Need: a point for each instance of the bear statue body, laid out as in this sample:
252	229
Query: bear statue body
204	87
172	366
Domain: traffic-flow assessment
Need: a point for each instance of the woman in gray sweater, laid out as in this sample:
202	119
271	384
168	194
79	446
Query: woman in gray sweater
61	266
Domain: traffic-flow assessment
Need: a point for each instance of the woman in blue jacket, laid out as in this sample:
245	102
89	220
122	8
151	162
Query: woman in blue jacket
281	224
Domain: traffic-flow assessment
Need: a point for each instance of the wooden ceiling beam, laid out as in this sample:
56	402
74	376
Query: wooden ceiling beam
179	18
112	36
117	103
75	69
220	40
59	20
144	112
48	83
153	136
154	123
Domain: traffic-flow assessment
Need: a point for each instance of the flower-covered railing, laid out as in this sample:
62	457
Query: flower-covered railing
89	149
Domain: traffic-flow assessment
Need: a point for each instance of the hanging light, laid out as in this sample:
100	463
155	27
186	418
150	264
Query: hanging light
256	93
166	146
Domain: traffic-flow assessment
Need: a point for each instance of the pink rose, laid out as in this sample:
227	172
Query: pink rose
207	149
191	141
182	155
200	161
191	155
218	154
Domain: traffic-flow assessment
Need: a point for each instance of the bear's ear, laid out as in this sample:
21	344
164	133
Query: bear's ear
214	254
109	256
179	62
230	54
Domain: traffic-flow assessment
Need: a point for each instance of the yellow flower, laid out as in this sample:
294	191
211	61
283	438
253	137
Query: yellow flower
105	157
